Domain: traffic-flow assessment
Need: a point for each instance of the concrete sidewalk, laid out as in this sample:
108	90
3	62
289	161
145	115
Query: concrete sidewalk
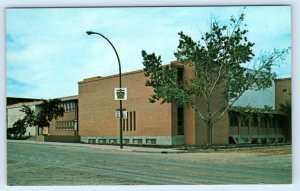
106	147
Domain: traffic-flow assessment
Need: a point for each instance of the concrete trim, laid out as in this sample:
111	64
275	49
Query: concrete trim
160	140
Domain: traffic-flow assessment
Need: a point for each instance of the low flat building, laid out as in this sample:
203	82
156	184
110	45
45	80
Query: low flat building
63	129
14	114
167	124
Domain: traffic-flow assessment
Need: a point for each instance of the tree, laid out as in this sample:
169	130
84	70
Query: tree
220	60
50	110
18	129
29	115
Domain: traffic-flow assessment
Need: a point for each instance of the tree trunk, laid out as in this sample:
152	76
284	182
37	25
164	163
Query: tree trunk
209	133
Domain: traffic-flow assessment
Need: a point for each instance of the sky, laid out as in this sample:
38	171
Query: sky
48	51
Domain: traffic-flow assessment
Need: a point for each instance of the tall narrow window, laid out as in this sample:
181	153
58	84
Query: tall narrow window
180	75
123	124
180	121
263	122
254	122
234	122
134	121
130	117
127	124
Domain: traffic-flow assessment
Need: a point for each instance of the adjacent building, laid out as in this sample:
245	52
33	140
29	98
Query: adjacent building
13	113
64	129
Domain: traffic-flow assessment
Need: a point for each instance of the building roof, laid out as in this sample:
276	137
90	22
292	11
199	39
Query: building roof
31	102
68	98
15	100
175	64
18	105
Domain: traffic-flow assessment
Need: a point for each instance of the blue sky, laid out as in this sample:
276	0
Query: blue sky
48	52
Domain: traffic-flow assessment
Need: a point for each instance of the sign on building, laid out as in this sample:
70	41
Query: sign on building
120	93
118	114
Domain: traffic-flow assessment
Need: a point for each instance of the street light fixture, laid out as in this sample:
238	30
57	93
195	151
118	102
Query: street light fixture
120	84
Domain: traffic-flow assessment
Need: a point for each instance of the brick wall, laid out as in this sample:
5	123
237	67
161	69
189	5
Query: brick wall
97	108
282	91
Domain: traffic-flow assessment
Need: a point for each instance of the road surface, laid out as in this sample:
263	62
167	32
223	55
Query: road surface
74	164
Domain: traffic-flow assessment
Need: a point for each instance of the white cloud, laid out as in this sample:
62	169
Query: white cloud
48	48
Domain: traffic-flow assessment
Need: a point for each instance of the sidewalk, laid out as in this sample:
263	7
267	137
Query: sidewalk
106	147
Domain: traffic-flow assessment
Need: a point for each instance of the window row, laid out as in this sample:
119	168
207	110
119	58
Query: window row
68	106
129	123
65	125
125	141
254	121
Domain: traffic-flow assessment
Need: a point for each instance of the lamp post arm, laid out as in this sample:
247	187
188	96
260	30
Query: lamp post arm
120	71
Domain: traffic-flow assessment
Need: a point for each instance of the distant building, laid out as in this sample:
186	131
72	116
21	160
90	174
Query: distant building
64	129
14	113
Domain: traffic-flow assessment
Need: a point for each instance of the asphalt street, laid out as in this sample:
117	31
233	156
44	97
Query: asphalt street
74	164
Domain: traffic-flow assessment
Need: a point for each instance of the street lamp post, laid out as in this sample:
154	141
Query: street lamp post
120	85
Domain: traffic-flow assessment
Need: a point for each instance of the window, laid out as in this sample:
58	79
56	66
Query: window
102	141
180	121
113	141
280	140
263	122
137	141
130	118
180	75
284	90
244	122
72	106
254	140
234	122
272	122
254	122
151	141
58	125
245	140
264	140
123	124
134	121
93	141
282	122
126	141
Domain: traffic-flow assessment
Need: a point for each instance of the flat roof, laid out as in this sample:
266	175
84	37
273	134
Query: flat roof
175	64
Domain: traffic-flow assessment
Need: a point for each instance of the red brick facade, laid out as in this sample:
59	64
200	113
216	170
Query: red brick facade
282	91
66	125
145	121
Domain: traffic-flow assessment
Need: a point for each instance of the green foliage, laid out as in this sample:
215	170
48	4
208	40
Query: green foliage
50	109
164	81
29	118
286	109
220	60
18	129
